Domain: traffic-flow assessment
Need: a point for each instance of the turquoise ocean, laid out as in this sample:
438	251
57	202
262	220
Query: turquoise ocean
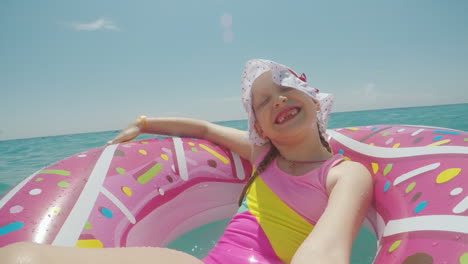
22	157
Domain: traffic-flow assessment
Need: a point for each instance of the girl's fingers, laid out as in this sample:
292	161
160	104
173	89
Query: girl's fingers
126	135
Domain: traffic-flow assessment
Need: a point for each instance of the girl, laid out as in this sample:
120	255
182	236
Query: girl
302	204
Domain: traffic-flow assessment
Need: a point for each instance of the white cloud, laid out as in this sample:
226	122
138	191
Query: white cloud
99	24
369	89
226	23
228	36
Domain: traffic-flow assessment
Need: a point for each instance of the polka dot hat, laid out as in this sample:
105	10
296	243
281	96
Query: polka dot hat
283	76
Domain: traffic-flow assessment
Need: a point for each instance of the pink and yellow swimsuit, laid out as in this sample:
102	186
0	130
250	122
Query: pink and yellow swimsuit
277	214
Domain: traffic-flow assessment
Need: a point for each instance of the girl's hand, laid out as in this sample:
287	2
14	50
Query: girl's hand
132	131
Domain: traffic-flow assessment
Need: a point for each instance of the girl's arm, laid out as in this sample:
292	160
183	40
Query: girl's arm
232	138
350	194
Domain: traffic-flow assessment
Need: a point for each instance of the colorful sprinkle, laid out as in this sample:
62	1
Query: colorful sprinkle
420	206
191	144
445	132
346	158
212	163
416	197
161	139
81	156
54	210
438	143
194	149
169	178
371	144
437	138
164	157
410	187
39	179
106	212
396	145
16	209
415	172
142	152
63	184
461	206
127	191
448	175
374	128
340	152
394	246
161	191
119	153
87	225
35	191
386	186
387	169
456	191
417	140
144	142
10	228
465	139
384	134
464	258
390	140
375	167
89	243
214	153
149	174
419	258
400	130
417	132
352	128
56	172
120	170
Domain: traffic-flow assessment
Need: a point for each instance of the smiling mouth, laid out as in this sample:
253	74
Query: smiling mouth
287	115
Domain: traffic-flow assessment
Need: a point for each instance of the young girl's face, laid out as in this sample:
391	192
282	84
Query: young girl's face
281	112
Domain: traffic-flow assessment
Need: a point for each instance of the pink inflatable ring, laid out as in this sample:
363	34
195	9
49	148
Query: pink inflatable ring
149	192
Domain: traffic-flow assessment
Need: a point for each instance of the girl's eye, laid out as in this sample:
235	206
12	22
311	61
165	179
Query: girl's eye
285	89
264	102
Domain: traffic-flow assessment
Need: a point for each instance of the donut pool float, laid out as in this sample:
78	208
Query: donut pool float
150	192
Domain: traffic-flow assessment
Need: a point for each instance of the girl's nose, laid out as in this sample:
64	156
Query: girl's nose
281	100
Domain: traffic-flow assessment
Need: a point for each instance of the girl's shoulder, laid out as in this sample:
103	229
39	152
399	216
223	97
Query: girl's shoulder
346	168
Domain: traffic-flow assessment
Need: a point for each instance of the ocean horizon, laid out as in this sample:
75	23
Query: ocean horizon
240	120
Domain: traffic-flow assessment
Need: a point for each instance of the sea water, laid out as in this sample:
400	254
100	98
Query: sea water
22	157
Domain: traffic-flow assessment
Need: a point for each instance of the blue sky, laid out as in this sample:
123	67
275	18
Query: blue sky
83	66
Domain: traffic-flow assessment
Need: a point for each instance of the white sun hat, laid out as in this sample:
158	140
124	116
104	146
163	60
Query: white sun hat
284	76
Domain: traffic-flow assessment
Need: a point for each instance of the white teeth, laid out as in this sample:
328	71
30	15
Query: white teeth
288	115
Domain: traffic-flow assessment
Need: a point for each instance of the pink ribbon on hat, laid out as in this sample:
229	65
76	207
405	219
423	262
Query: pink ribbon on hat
302	77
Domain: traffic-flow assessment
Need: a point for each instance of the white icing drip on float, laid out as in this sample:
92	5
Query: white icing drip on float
415	172
73	225
180	156
428	223
119	205
380	152
240	173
